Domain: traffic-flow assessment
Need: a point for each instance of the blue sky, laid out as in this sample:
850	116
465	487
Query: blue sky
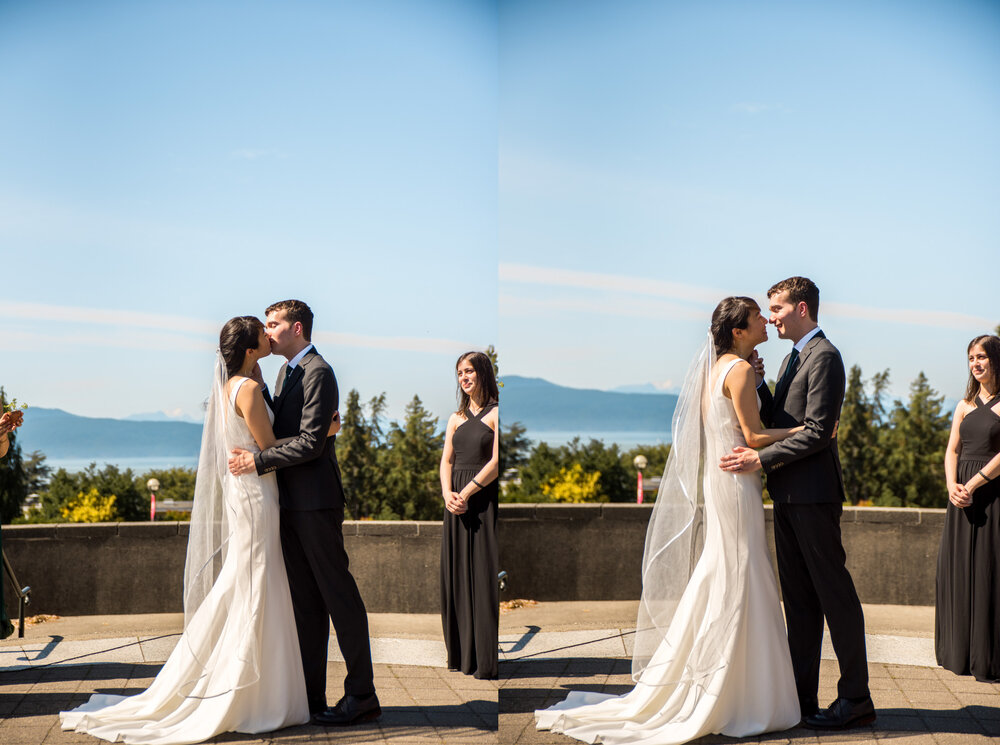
657	156
167	165
577	181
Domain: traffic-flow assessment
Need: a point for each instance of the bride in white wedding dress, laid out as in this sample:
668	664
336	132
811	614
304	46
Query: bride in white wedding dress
711	654
236	667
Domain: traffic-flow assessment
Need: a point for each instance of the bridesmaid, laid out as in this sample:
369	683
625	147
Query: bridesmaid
966	631
470	599
9	421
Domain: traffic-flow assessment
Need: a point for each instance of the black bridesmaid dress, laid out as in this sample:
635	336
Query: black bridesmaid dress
470	599
6	627
967	621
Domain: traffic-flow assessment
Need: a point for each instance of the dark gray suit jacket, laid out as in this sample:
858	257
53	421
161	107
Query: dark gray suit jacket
308	472
805	468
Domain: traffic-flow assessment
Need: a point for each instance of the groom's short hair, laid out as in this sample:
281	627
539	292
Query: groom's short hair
800	290
296	312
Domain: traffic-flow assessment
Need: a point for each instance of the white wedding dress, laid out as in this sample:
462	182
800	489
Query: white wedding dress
721	665
236	667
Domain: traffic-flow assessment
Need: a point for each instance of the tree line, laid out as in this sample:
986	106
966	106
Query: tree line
892	454
390	472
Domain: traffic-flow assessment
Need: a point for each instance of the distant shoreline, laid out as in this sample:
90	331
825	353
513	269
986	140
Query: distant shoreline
139	465
624	440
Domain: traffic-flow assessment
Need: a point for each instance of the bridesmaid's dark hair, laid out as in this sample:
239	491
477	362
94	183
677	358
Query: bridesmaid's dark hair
732	313
990	345
486	380
237	336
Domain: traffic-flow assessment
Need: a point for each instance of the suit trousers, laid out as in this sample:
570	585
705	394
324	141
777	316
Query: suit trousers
323	589
815	583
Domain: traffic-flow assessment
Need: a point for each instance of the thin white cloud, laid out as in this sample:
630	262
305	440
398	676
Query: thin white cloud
616	283
104	317
514	306
755	107
396	343
526	274
106	327
106	338
255	154
939	318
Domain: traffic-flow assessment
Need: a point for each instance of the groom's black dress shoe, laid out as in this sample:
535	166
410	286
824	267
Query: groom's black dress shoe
843	714
350	710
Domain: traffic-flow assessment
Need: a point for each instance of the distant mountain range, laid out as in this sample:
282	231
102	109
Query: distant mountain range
542	406
537	404
59	434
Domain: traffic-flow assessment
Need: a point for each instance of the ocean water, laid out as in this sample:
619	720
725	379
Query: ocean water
139	465
624	440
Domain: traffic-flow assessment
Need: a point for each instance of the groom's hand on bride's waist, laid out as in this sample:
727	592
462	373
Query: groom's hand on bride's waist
741	460
241	462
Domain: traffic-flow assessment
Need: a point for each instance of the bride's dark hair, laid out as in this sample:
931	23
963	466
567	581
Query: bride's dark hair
237	336
732	313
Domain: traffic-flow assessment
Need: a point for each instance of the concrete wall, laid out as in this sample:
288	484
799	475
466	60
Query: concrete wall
594	551
112	568
551	552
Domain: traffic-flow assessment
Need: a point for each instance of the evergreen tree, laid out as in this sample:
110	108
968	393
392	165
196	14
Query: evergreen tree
412	459
913	450
858	440
515	448
14	480
491	352
358	450
38	472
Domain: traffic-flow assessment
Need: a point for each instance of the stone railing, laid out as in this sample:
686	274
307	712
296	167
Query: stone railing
594	551
115	568
550	552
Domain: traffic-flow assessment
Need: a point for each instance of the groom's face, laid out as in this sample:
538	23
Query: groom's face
787	317
281	333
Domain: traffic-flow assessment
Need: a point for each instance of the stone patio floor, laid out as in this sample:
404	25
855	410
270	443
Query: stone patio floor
915	705
420	705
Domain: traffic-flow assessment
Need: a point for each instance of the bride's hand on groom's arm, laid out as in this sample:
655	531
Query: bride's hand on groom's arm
241	462
740	460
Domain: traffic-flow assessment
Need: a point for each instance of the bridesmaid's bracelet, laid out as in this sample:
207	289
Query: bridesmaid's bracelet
988	479
481	486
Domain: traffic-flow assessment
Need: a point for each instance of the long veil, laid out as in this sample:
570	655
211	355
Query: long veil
676	535
210	540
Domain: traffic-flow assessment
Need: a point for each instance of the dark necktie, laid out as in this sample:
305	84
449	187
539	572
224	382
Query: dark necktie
789	370
284	382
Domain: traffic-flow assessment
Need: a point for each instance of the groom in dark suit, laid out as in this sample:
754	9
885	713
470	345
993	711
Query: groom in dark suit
805	481
312	516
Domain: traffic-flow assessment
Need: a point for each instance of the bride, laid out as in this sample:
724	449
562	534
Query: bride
236	667
711	654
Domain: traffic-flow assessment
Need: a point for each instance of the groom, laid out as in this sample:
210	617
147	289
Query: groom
312	516
805	482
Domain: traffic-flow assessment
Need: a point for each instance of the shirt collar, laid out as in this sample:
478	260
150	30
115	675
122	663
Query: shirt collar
294	361
801	343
